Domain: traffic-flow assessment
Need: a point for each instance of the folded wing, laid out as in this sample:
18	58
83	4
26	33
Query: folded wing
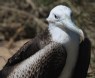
83	59
46	63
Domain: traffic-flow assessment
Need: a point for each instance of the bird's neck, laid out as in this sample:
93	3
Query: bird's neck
57	34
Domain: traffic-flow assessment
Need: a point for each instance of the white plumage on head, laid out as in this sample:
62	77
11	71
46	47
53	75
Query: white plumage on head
60	16
59	13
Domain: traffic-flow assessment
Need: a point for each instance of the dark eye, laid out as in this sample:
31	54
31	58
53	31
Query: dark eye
57	17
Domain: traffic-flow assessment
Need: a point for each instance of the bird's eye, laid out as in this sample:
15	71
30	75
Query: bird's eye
57	17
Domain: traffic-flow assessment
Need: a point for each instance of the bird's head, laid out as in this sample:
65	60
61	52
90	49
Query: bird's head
59	15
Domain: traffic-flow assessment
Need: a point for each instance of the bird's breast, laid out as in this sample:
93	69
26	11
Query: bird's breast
59	36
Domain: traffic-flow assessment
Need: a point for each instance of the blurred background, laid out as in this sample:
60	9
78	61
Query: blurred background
21	20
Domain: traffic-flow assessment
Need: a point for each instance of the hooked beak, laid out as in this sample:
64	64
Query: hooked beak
49	20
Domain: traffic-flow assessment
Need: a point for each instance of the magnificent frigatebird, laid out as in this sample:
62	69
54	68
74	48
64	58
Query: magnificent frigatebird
61	51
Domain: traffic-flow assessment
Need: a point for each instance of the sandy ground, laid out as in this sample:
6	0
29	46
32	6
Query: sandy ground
6	53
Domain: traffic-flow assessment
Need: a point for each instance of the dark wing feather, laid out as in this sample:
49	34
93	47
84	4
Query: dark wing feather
83	59
24	52
54	62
